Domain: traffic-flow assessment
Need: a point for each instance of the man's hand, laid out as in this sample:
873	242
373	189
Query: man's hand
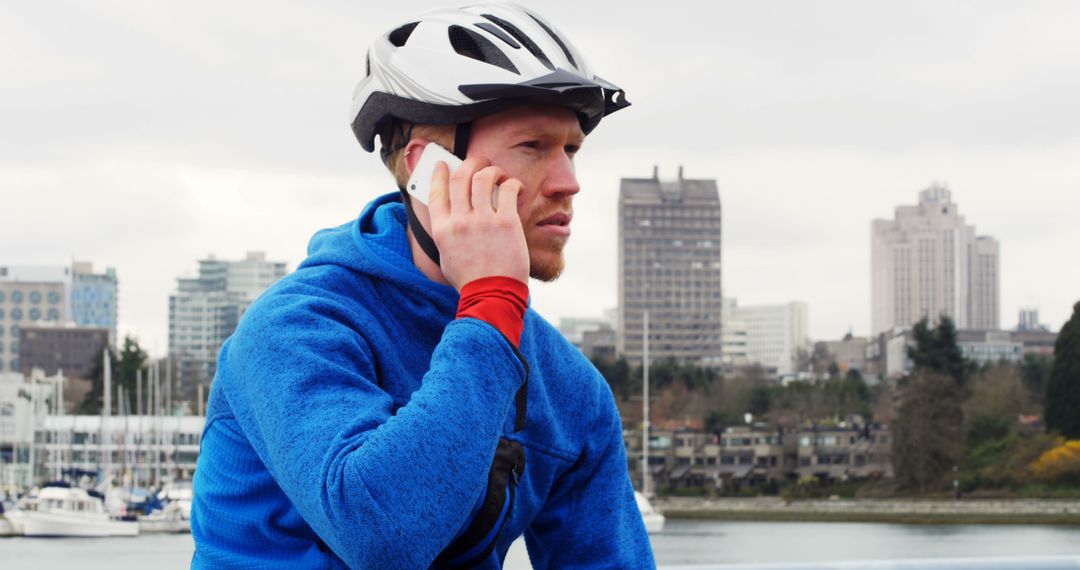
475	239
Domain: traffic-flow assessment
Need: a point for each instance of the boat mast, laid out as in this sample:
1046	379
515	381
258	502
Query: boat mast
33	429
139	422
157	424
106	411
645	414
168	415
59	459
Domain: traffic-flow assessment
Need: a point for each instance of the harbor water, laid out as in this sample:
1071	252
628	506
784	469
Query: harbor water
682	544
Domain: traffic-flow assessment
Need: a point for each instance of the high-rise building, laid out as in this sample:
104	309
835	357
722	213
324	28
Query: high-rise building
983	299
205	310
927	262
669	265
1029	320
93	298
774	336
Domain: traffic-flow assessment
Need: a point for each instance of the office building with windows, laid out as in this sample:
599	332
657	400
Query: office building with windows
205	310
26	303
93	298
928	262
75	351
773	336
51	296
669	266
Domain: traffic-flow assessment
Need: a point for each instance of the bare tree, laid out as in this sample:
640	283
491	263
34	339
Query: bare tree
928	430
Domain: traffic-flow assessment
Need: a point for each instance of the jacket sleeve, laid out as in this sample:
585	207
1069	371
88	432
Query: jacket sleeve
591	519
382	488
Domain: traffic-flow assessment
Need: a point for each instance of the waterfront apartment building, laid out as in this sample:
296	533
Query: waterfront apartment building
749	456
928	261
774	336
669	266
205	310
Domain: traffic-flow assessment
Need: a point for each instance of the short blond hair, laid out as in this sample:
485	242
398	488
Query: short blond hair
397	137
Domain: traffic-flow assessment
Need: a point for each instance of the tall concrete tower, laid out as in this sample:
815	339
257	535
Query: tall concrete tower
927	262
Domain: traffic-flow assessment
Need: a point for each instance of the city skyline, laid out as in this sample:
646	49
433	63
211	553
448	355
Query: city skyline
129	144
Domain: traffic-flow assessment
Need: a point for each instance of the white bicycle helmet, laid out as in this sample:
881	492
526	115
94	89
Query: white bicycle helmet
454	66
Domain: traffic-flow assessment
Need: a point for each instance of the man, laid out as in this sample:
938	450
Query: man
393	403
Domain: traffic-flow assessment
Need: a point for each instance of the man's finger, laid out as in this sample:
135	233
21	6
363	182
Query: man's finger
484	184
507	197
439	199
461	181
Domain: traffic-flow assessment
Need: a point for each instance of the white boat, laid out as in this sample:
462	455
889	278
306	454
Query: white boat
168	520
654	521
62	511
180	494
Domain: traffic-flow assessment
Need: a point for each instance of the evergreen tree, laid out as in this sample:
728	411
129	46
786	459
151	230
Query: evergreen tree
936	349
124	367
1063	387
1035	370
760	400
93	401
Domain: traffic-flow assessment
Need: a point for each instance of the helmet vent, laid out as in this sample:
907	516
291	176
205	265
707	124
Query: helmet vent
495	31
521	37
401	35
558	40
472	45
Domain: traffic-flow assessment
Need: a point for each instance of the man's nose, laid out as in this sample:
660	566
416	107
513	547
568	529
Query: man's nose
561	180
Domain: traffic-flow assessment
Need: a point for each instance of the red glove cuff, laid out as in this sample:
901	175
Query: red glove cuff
499	301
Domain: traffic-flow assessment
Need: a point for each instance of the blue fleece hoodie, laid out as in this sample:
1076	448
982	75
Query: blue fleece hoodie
353	422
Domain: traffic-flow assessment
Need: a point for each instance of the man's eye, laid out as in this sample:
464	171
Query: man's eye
530	144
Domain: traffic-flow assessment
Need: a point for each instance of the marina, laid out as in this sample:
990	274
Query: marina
118	474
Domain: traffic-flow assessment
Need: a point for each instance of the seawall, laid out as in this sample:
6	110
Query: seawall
912	511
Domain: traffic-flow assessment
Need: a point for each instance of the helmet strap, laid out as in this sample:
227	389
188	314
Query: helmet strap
462	134
423	238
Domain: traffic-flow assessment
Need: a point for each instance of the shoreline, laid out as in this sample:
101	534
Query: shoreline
896	511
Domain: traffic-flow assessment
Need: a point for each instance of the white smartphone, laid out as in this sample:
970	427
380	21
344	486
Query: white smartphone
419	185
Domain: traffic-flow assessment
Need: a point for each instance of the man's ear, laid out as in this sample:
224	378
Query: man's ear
413	150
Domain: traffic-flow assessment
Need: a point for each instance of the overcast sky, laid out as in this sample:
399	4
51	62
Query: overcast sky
147	135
